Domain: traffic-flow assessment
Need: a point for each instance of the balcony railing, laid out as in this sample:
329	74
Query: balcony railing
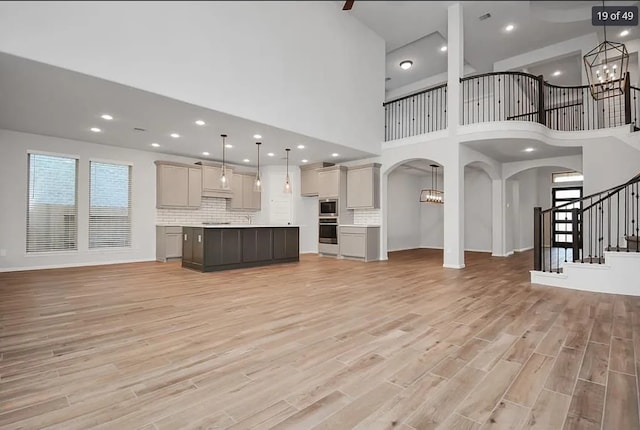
512	96
419	113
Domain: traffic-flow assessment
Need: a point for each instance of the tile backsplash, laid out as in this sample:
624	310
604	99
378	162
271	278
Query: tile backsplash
367	216
212	210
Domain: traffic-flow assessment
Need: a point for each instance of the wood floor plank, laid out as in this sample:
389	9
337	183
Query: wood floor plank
506	416
587	403
595	364
621	402
437	408
483	400
359	409
530	382
548	412
315	413
323	342
562	377
622	357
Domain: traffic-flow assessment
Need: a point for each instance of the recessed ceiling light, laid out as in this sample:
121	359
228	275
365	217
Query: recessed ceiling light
443	48
509	27
155	145
300	146
95	129
107	117
205	153
175	135
200	122
529	149
246	160
624	33
228	145
304	161
271	154
406	64
257	136
335	154
557	73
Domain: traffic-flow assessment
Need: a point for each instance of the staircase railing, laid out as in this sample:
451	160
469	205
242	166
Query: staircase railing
605	221
634	103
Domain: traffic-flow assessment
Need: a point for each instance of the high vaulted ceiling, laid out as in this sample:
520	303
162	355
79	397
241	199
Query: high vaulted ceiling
415	30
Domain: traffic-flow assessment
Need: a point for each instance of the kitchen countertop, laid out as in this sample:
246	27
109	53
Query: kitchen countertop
226	225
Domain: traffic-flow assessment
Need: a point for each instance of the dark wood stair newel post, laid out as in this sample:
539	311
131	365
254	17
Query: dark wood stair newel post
577	235
627	100
537	238
542	117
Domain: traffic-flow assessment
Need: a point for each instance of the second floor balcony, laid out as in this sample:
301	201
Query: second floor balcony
511	96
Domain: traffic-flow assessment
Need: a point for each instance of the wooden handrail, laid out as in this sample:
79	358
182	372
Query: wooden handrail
415	94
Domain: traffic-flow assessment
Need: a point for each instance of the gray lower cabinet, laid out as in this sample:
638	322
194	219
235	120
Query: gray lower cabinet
257	244
286	243
359	242
168	242
232	248
193	246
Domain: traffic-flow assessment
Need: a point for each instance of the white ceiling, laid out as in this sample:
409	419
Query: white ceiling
405	23
43	99
509	150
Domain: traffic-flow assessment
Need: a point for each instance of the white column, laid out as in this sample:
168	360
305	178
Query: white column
455	65
453	170
497	216
384	180
454	211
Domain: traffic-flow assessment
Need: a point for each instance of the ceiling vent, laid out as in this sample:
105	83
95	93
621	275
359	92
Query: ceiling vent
485	16
139	129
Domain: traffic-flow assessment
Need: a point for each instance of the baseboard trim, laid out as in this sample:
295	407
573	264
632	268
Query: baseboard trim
70	265
453	266
524	249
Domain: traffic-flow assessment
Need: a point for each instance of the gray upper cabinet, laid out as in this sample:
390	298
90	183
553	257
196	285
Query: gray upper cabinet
363	187
211	186
178	185
330	181
309	181
243	197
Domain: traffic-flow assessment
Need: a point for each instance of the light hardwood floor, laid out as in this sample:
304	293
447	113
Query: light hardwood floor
320	344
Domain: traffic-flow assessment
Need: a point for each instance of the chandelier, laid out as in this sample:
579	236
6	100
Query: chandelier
432	195
606	66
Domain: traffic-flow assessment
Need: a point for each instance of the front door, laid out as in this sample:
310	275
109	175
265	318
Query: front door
563	234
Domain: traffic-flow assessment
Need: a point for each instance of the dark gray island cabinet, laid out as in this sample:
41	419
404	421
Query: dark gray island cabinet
212	248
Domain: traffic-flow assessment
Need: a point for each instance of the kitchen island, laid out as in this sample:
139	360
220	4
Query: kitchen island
209	248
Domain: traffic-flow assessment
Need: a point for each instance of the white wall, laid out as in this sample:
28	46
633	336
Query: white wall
432	219
528	194
403	219
478	210
306	67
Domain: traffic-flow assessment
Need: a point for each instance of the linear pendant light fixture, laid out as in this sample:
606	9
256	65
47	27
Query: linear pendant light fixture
257	184
287	181
224	181
432	195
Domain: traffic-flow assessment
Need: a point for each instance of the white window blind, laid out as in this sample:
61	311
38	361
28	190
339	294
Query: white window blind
110	205
52	204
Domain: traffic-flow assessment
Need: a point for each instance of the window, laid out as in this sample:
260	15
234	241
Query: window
560	177
110	205
52	204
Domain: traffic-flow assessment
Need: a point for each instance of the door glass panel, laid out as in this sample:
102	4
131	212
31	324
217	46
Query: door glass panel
567	194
